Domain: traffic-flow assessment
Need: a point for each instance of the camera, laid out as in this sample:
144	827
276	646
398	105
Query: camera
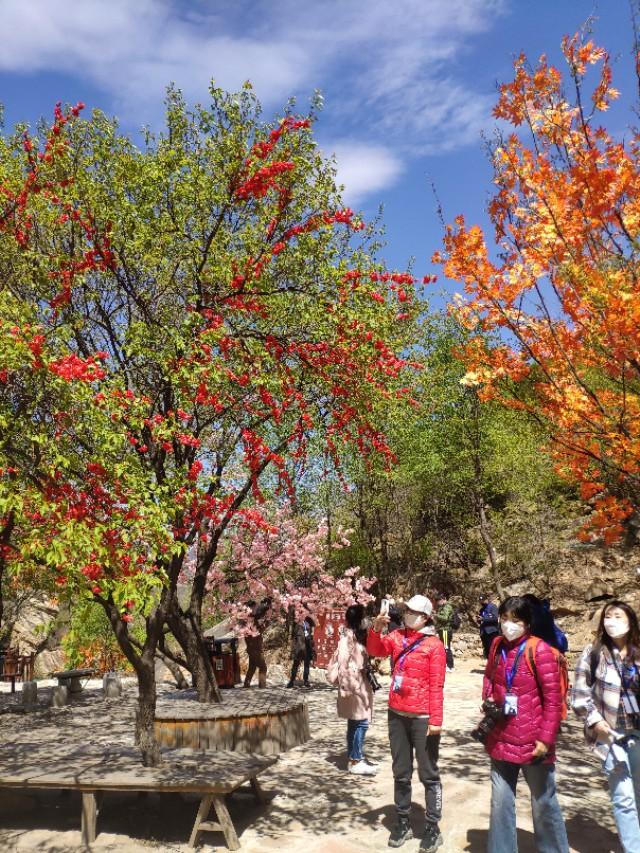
492	714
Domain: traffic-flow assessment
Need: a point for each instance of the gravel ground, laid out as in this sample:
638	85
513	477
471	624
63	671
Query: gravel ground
314	805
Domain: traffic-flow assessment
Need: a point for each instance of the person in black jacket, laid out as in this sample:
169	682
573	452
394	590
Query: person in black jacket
302	650
488	622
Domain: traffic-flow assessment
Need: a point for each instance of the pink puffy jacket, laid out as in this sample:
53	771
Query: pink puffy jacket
539	704
422	672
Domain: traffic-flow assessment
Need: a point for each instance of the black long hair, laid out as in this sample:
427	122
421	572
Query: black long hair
353	617
519	606
633	641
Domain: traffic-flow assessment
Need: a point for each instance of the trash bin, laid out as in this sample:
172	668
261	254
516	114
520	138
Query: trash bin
224	660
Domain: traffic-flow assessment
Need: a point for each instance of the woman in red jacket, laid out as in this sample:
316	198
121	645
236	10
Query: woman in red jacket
415	714
522	686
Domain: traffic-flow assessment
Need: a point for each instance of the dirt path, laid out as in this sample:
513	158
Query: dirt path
315	806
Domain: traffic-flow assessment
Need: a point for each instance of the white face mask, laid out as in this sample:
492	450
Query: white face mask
512	630
413	620
616	626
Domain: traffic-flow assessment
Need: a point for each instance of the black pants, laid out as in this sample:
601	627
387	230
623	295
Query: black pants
487	638
308	657
408	735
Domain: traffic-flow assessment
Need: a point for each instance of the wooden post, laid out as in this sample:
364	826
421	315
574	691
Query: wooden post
203	813
89	814
225	823
258	793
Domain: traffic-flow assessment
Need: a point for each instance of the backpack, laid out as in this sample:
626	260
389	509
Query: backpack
456	620
530	657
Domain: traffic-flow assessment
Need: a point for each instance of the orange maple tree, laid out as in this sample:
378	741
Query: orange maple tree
555	309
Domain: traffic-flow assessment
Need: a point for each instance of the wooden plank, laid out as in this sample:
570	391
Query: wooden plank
120	769
88	819
203	812
226	823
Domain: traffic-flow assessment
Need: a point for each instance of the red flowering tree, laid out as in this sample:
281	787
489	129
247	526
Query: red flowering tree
178	323
562	291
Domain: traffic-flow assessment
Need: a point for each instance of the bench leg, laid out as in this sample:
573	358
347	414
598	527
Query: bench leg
89	815
258	793
225	823
203	813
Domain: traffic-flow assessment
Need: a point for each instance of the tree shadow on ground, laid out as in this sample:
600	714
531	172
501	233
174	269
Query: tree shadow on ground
477	841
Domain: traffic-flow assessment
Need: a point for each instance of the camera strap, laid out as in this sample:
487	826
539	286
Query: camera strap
406	651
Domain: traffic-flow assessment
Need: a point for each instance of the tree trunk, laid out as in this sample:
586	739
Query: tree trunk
174	669
187	633
146	712
491	551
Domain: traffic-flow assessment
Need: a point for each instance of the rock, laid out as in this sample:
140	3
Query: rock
59	697
111	685
599	590
29	693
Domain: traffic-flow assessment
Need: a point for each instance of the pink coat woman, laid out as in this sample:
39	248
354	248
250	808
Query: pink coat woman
347	671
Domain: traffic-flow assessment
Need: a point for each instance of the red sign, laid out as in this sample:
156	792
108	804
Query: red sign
329	628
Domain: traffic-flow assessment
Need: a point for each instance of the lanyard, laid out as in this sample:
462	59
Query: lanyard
510	672
407	648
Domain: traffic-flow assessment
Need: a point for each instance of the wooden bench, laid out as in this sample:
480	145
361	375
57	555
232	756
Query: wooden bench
94	772
74	678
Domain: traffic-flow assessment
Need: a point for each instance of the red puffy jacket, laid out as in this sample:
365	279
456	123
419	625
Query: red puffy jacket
422	671
539	704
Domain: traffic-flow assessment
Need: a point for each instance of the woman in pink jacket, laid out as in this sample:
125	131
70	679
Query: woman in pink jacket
347	670
523	702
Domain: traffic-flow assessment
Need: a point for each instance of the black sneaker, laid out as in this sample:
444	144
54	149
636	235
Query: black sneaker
431	840
400	833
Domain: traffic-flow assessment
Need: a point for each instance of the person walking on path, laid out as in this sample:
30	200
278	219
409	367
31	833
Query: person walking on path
606	696
488	622
415	714
348	670
444	623
254	644
302	650
526	699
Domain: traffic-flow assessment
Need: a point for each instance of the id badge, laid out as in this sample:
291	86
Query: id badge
630	704
397	683
510	708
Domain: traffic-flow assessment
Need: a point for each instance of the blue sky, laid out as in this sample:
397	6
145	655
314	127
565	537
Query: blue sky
408	86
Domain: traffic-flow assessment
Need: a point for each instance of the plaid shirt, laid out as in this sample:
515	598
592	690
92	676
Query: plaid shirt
600	700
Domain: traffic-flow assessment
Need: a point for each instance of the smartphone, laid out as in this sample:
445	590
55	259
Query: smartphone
384	606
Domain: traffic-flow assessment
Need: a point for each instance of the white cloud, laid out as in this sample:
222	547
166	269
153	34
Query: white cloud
364	169
388	70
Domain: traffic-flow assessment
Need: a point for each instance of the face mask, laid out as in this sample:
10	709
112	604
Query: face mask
411	620
616	627
512	630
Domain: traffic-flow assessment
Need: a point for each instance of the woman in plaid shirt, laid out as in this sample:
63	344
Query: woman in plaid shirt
606	695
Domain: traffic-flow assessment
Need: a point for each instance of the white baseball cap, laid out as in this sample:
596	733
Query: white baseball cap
421	604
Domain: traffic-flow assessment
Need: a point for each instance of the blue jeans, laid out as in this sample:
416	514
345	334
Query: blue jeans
356	731
548	824
622	768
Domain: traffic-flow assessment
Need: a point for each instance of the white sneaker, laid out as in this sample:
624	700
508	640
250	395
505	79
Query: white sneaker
371	763
361	768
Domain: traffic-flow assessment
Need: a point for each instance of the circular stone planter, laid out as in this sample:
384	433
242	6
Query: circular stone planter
262	722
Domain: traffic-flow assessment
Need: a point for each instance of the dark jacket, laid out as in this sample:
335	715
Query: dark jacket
302	646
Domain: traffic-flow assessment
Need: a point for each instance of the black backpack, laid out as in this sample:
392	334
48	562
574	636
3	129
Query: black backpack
456	620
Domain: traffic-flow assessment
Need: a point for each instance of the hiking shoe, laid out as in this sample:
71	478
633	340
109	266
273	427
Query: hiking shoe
306	684
400	833
290	685
431	840
361	768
